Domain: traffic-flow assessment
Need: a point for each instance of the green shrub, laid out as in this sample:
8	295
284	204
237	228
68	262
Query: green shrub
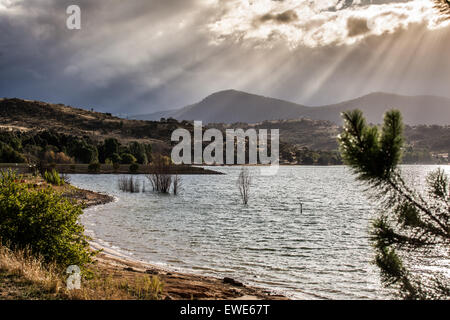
42	221
116	167
134	167
127	158
94	167
9	155
115	158
53	178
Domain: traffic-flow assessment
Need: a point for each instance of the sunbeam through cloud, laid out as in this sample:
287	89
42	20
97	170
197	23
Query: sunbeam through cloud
319	23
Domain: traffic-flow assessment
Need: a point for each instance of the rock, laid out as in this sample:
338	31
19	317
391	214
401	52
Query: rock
149	271
129	269
235	291
232	282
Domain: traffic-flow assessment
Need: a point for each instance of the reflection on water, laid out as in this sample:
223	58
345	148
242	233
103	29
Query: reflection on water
323	252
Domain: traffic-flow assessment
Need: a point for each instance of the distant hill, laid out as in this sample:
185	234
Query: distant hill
232	106
416	110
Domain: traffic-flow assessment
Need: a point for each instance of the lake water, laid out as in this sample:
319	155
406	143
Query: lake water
320	253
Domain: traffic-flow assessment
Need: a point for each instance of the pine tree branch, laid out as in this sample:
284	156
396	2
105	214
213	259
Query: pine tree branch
425	210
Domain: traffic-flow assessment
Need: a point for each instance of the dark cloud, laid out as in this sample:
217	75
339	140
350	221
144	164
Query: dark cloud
284	17
357	26
142	56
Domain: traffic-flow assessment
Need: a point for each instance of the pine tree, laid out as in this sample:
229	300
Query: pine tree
411	227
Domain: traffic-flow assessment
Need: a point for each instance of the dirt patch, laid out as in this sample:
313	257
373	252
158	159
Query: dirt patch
181	286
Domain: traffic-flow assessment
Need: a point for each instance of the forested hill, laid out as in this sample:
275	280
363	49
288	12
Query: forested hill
36	116
33	128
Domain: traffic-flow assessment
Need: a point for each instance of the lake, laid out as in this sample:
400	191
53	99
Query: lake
320	253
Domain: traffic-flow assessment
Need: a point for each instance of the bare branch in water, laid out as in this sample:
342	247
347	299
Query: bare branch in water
244	182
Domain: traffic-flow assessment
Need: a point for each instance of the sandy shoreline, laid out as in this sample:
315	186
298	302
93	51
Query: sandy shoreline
177	285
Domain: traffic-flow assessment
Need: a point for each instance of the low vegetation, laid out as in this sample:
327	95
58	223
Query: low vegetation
53	178
40	236
42	221
94	167
134	168
27	276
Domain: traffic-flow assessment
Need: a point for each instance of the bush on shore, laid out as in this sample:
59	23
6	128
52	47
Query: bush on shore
42	221
94	167
134	168
53	178
40	237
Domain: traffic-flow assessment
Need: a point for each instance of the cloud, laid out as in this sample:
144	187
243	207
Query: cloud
320	23
357	26
141	56
284	17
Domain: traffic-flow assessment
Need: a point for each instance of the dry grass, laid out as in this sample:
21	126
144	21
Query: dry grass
23	276
27	276
108	287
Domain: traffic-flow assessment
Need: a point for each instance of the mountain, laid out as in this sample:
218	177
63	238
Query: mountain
416	110
232	106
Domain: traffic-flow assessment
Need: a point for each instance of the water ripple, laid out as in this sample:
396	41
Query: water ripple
323	252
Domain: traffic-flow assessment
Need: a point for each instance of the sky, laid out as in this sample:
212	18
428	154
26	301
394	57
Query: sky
142	56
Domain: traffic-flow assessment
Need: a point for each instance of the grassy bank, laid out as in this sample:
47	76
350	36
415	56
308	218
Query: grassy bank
42	236
26	276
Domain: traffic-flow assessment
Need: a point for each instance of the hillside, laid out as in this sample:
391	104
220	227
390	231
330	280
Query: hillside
296	135
235	106
25	115
302	133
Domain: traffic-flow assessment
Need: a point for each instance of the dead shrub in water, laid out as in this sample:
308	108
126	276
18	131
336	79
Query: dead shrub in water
160	176
177	184
129	184
244	182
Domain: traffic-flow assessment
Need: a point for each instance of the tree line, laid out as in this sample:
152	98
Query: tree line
54	147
